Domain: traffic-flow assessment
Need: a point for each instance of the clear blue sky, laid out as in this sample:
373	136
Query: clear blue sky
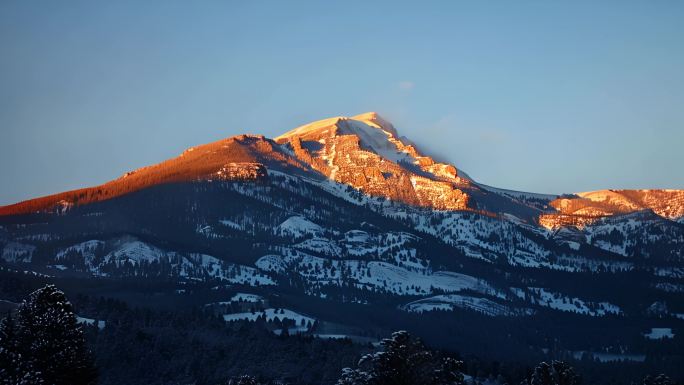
543	96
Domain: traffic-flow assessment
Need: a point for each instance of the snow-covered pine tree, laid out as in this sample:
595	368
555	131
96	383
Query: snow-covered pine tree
14	369
564	373
660	379
404	361
542	375
556	373
50	339
243	380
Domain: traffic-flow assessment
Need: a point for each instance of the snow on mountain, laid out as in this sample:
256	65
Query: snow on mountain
486	238
365	153
345	208
231	224
449	302
84	252
271	263
134	252
640	234
532	296
246	297
132	257
320	245
371	275
659	333
17	252
557	301
584	208
90	322
243	157
298	226
270	315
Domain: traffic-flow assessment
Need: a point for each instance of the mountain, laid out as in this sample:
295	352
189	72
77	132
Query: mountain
241	157
366	153
344	223
583	208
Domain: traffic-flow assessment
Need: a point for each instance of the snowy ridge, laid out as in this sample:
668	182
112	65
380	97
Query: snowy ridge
90	322
133	257
450	302
298	226
18	252
371	275
518	194
557	301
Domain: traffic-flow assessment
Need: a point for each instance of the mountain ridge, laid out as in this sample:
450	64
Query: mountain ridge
365	152
344	223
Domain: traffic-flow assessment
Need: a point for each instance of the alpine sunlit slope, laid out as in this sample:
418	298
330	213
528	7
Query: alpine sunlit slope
586	207
366	153
354	232
236	158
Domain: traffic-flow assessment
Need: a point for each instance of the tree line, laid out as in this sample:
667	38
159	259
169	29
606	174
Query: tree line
43	343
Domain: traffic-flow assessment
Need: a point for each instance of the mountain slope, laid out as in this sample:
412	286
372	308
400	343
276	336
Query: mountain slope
243	157
365	152
344	222
586	207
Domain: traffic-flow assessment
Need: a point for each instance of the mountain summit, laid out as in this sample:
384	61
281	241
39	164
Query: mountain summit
366	153
344	227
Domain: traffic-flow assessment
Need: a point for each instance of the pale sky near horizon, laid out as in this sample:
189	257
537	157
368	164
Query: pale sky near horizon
528	95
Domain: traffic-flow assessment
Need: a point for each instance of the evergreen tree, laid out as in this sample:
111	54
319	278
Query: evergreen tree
404	361
48	342
243	380
660	379
557	373
564	373
14	368
354	377
542	375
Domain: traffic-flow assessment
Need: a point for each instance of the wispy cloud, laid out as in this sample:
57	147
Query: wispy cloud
406	85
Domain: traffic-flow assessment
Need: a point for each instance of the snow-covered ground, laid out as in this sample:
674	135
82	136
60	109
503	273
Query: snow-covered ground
90	322
231	224
373	275
553	300
332	336
609	357
132	253
270	314
659	333
246	297
320	246
298	226
18	252
453	301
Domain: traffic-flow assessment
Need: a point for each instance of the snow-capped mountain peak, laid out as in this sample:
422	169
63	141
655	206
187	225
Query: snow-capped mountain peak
365	151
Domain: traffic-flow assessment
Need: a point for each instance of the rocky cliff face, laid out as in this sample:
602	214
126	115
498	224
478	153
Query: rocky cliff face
585	208
347	223
365	153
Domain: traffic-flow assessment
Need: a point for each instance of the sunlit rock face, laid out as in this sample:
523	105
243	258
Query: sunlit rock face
366	153
243	157
584	208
